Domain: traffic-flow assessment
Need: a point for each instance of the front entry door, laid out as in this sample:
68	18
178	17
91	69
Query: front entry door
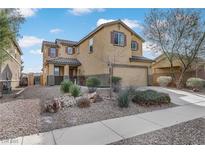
72	73
58	77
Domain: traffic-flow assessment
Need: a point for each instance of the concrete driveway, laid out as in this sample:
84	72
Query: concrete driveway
180	97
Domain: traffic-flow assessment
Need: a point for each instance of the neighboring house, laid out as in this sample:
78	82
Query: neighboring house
89	57
11	69
161	67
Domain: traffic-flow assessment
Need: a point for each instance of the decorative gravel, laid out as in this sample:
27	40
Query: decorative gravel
187	133
98	111
24	115
18	118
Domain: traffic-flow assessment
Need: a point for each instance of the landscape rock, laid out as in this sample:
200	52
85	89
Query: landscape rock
66	100
94	97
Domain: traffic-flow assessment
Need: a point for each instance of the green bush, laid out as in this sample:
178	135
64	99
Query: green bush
65	86
74	90
116	83
123	99
131	91
164	80
150	97
116	79
92	83
195	83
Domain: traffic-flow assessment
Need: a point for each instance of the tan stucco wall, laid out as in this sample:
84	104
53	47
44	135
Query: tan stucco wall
50	69
14	63
161	65
96	62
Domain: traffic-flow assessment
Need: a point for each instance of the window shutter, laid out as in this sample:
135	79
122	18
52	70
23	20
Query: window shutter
56	52
49	52
125	41
137	46
112	38
73	50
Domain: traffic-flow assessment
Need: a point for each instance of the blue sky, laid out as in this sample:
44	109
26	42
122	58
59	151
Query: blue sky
71	24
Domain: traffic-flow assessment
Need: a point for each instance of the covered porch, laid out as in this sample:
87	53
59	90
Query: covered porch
60	69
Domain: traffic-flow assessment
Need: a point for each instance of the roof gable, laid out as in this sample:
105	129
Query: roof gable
109	24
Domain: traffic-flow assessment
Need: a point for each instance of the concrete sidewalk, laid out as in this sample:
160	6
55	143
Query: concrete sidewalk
112	130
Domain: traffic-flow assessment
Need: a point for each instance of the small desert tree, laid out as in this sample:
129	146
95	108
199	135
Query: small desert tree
178	34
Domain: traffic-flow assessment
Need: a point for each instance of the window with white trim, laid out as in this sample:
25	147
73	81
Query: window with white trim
53	52
69	50
119	39
134	45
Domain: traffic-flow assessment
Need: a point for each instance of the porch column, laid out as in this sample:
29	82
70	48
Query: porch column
66	72
51	78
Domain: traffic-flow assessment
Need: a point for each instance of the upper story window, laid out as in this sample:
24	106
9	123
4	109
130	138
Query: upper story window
134	45
69	50
118	38
53	52
91	45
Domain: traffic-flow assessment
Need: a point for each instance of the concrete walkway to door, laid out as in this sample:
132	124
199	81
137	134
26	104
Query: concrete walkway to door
112	130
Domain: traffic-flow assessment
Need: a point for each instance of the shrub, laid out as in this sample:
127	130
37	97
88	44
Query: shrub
116	79
92	83
195	83
83	102
74	90
131	91
164	80
116	83
123	99
150	97
65	86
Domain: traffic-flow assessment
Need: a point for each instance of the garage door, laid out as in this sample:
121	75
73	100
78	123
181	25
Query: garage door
131	76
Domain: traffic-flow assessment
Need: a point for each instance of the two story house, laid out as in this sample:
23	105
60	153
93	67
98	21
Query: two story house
11	68
111	43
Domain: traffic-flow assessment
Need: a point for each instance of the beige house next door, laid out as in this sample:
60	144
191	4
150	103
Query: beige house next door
132	76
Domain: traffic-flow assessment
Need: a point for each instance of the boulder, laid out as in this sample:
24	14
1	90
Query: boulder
66	100
92	97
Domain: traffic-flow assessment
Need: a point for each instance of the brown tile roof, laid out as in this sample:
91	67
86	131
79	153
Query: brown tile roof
49	43
140	58
64	61
68	42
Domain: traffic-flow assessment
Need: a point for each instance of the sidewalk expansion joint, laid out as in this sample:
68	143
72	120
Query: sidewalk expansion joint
112	130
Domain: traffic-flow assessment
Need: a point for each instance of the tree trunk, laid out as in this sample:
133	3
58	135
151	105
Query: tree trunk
181	77
172	73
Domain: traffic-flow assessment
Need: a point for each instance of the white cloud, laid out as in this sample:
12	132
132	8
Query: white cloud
28	12
29	41
83	11
130	23
36	52
36	69
56	30
102	21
